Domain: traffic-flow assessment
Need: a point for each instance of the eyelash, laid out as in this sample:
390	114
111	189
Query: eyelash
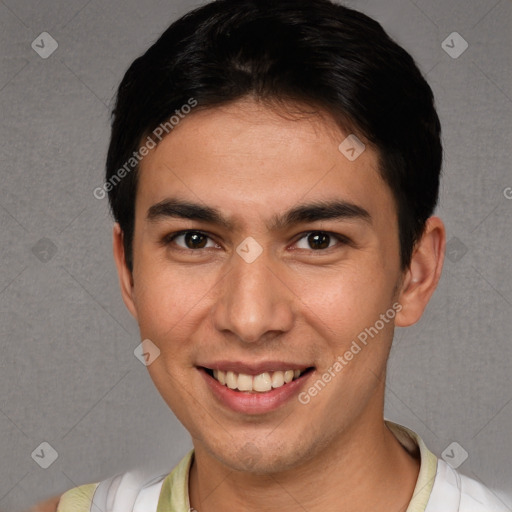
168	239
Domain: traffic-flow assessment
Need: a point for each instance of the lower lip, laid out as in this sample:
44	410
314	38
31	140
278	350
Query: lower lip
255	402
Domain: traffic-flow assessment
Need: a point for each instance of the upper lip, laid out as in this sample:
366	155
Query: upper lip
254	368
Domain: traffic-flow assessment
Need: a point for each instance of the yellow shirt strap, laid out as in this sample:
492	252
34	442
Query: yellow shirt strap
428	469
174	492
78	499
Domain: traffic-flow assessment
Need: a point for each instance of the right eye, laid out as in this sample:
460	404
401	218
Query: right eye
192	240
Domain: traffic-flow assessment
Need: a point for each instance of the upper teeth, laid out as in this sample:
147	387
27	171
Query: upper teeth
263	382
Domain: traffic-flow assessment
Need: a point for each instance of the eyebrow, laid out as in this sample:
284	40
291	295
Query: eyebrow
303	213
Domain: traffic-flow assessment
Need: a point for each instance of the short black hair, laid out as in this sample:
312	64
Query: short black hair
311	52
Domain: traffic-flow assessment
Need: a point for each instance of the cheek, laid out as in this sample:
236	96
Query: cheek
345	301
166	299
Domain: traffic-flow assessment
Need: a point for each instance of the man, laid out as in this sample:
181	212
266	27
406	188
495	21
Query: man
273	170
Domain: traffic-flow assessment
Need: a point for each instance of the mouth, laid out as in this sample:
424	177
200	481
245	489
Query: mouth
261	383
255	389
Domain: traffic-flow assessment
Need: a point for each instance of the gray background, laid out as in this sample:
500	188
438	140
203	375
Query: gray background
68	375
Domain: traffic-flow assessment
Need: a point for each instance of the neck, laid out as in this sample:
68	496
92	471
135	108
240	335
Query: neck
365	468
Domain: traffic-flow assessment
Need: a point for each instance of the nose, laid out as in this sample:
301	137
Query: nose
255	302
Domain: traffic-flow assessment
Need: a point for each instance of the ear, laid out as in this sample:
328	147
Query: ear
421	278
123	272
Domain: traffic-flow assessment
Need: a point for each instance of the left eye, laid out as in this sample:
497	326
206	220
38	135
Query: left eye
318	240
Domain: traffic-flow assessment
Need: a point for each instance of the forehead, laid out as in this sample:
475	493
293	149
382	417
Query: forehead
248	158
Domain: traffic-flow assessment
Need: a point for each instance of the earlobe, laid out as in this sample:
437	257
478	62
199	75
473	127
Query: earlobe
420	280
123	272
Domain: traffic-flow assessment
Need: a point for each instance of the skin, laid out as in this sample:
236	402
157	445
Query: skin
294	303
49	505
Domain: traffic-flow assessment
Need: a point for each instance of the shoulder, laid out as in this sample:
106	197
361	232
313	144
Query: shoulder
454	491
78	499
144	489
133	490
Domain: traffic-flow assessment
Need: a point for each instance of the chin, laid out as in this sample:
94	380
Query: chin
262	457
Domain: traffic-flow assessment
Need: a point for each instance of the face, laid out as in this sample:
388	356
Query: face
254	295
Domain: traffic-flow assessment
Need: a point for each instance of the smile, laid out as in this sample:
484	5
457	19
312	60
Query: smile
260	383
255	388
